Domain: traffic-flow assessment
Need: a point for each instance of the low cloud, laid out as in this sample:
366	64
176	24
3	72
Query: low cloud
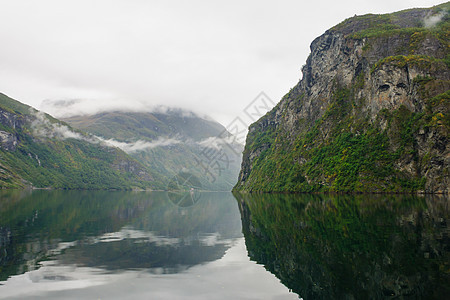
217	142
78	107
43	128
140	145
433	20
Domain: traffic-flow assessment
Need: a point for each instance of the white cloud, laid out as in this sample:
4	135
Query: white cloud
432	20
76	107
42	127
140	145
211	57
217	142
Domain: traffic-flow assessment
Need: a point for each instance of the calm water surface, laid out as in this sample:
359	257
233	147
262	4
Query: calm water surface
140	245
102	245
352	247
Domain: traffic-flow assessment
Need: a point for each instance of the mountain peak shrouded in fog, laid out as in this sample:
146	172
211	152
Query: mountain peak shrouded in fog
83	107
170	141
114	150
39	151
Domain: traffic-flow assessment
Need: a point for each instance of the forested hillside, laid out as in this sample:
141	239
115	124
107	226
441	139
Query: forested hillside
39	151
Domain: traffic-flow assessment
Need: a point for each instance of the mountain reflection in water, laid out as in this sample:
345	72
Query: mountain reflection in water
351	247
114	230
84	244
134	245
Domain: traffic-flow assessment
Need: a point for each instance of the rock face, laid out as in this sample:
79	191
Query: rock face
8	141
369	115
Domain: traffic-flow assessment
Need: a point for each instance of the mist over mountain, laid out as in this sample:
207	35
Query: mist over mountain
114	150
66	108
171	142
37	150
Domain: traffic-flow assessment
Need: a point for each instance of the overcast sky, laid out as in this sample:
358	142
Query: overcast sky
211	57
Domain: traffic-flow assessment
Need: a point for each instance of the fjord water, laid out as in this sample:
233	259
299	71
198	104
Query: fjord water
352	247
141	245
126	245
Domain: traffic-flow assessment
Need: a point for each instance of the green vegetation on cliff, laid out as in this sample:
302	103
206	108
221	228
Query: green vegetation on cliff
356	156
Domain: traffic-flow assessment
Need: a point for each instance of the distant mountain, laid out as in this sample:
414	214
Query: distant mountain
40	151
129	126
178	145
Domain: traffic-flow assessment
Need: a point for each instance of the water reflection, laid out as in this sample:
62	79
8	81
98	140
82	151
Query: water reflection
113	230
351	247
126	245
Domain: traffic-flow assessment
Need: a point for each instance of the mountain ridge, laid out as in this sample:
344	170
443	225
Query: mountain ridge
146	124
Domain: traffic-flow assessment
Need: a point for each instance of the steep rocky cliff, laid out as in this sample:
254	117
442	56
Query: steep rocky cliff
371	113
